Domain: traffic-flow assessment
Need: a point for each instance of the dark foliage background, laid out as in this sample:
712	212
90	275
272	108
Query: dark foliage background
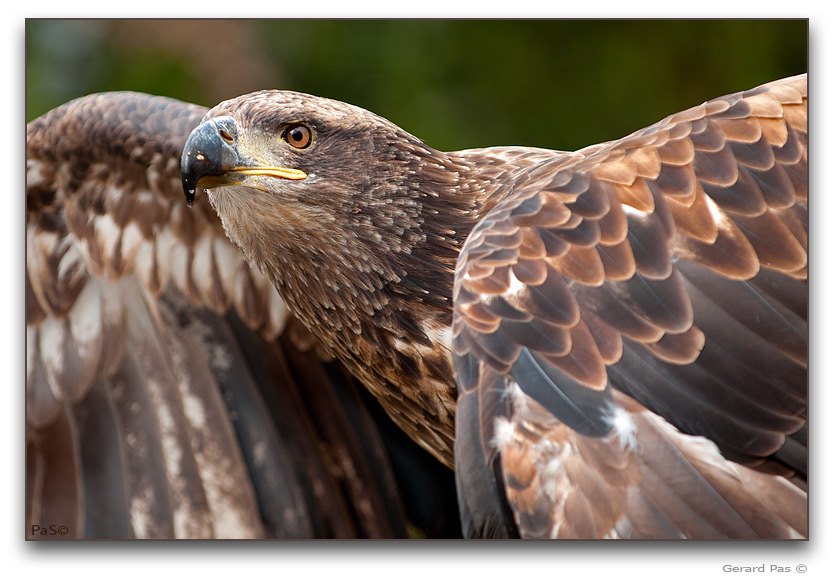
560	84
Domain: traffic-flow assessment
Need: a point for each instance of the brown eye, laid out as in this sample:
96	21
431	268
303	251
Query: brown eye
298	135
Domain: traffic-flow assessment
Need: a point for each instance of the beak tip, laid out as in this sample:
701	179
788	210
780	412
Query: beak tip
189	184
204	154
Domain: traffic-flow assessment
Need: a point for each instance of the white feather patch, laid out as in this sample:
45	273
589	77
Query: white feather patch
277	311
85	323
202	265
34	176
504	433
439	334
108	238
623	428
228	259
716	212
145	264
132	239
630	210
516	285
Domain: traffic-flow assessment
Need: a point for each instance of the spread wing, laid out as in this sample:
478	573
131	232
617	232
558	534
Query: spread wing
630	334
168	393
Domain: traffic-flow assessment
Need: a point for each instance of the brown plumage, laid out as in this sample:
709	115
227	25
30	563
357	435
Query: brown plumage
627	324
653	284
164	375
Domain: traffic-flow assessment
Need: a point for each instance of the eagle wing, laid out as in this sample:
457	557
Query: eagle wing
164	376
630	334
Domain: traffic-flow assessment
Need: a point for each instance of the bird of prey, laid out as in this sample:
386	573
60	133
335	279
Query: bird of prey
608	343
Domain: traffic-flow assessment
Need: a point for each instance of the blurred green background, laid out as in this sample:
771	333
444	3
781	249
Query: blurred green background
560	84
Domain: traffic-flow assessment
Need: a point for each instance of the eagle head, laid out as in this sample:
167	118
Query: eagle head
284	168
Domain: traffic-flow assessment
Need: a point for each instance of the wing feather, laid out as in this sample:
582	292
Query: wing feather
683	250
148	416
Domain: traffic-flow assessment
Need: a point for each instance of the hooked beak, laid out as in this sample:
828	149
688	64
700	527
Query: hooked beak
211	158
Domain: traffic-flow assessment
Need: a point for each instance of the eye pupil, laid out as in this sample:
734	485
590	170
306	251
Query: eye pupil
299	136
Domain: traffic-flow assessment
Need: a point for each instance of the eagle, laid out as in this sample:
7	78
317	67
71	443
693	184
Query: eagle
607	343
